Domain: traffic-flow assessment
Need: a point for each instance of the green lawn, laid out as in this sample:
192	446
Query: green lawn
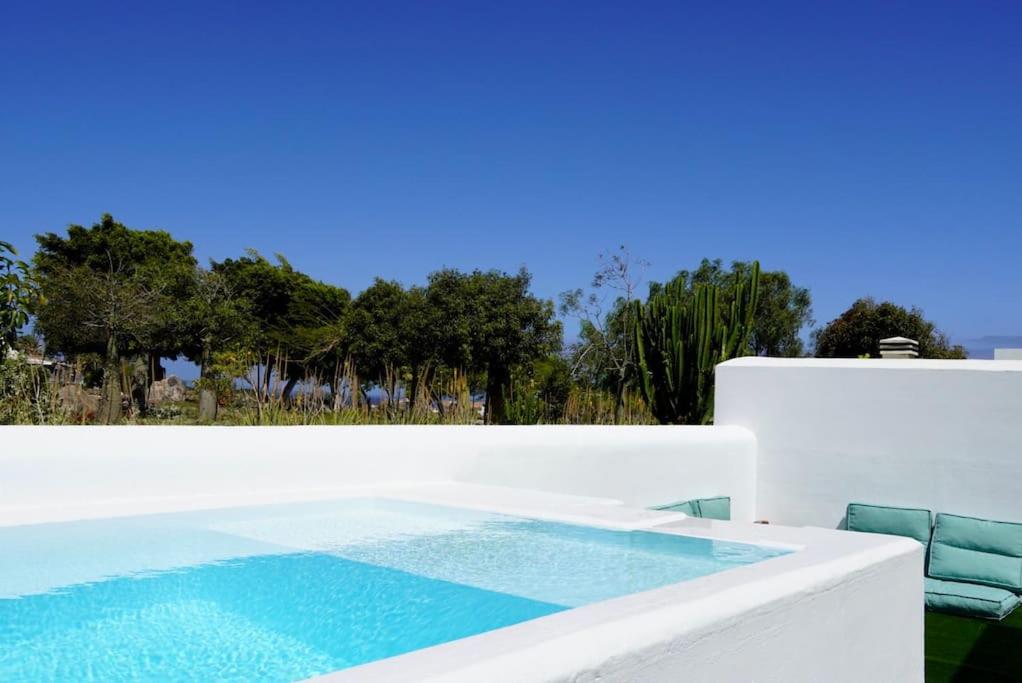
960	649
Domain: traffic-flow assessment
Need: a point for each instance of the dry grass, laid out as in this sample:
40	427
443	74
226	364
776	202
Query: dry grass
32	395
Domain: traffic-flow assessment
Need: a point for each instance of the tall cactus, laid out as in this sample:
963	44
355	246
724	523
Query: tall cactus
680	337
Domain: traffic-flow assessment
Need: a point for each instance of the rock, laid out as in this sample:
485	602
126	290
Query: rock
170	390
75	400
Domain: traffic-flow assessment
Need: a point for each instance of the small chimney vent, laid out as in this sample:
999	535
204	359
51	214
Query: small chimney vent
899	347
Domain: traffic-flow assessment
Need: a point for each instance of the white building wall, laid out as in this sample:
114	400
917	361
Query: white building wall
942	435
1007	354
47	471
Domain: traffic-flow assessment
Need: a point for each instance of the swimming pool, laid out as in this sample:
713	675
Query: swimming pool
285	592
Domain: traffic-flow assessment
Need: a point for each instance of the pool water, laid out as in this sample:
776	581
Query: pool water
285	592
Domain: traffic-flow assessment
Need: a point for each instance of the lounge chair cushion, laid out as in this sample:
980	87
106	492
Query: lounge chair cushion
977	551
969	599
715	508
877	519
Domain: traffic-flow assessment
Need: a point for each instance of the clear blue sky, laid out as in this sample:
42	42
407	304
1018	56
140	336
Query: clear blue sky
866	148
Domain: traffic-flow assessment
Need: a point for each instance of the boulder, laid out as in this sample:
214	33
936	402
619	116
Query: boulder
170	390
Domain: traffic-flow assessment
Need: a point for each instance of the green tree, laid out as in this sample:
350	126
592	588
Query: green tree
373	328
315	308
152	259
217	320
782	312
106	312
491	324
388	336
290	313
116	292
17	297
858	331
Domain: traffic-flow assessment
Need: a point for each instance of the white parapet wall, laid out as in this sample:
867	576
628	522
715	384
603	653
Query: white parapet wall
941	435
51	473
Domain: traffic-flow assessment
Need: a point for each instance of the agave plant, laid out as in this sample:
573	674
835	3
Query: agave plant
680	336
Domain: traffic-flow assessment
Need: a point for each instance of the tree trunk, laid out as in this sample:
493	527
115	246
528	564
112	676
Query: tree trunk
207	405
157	373
110	403
394	403
438	401
413	389
498	379
285	395
334	401
619	400
266	382
208	400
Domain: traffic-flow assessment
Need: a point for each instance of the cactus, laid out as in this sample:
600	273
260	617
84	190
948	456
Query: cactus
680	336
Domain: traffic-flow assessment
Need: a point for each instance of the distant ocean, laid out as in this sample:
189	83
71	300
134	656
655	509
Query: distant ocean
983	347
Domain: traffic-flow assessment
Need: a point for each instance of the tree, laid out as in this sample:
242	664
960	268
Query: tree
782	312
858	331
373	327
17	297
314	308
116	292
151	260
217	320
490	324
420	325
109	311
289	312
603	354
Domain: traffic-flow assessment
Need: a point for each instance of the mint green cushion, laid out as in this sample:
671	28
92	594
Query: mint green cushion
978	551
688	507
715	508
877	519
969	599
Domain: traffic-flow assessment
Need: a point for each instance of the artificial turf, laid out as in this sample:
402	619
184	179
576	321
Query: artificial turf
961	650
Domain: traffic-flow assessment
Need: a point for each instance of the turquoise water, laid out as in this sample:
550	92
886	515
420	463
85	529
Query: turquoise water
285	592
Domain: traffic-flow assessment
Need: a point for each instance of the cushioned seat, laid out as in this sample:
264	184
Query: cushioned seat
977	551
710	508
969	599
878	519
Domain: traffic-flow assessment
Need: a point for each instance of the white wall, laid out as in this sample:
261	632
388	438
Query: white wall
44	470
865	625
943	435
1007	354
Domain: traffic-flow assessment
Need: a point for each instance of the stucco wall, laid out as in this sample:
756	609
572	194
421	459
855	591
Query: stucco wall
865	624
944	435
45	470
